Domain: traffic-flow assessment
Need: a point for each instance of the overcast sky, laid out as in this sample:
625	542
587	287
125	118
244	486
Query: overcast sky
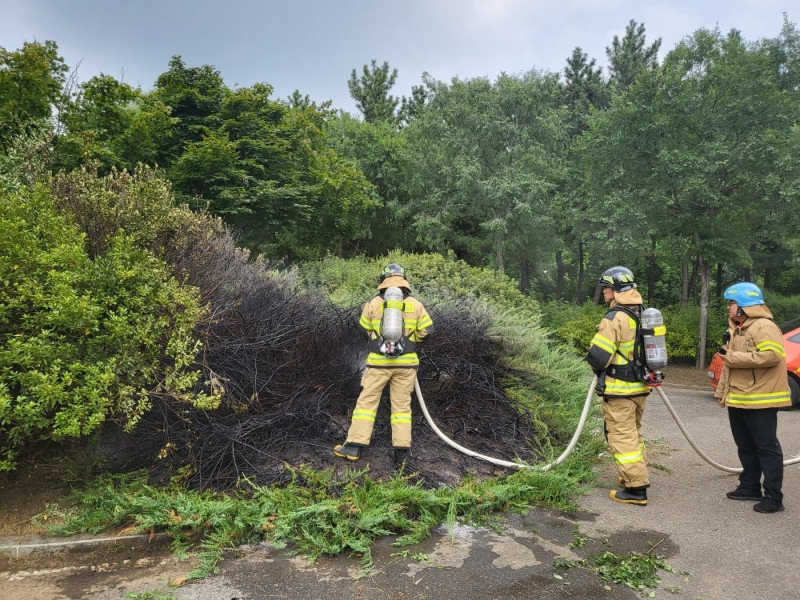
313	45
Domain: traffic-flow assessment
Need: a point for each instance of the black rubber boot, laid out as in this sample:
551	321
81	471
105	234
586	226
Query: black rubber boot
633	495
400	455
743	494
348	451
768	505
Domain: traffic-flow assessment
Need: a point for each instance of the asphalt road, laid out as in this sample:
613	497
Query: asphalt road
720	549
730	550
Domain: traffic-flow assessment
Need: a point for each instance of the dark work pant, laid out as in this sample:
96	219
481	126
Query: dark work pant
755	434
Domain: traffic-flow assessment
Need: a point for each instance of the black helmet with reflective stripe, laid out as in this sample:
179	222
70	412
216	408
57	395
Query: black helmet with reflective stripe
392	270
619	279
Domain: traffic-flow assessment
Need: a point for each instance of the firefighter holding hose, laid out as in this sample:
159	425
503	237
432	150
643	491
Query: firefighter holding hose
396	323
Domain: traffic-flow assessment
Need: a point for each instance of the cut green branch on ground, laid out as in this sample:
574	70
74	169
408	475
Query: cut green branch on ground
637	571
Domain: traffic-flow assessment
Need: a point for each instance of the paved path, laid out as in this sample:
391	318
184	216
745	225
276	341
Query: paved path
724	549
731	550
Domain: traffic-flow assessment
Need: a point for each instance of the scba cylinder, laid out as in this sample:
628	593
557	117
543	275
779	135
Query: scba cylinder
655	344
392	323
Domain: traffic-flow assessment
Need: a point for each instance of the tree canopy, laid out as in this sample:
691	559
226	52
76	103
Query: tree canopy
681	166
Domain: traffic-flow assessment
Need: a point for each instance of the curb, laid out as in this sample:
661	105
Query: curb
84	545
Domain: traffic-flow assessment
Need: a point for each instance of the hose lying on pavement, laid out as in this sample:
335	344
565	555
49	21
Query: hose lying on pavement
713	463
573	442
505	463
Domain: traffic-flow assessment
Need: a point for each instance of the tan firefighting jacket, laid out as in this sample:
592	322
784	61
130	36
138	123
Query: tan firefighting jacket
754	372
417	326
613	345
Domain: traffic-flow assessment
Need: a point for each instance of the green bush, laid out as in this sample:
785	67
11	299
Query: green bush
574	325
432	276
83	339
683	332
785	309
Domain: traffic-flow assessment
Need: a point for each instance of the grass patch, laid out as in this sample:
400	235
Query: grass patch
316	514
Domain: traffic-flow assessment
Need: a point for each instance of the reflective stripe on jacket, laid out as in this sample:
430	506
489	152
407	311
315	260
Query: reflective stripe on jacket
613	345
417	325
754	373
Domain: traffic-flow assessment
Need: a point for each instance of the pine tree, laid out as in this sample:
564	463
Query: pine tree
371	92
298	100
629	57
411	108
583	88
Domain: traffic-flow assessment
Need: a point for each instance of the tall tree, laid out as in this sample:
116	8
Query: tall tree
371	92
31	82
269	170
194	96
692	153
411	108
629	56
378	149
113	125
298	100
482	168
583	91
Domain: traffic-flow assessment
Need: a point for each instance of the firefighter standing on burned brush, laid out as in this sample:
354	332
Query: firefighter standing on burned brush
611	356
396	323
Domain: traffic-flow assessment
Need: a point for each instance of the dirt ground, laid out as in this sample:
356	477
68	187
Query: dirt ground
28	491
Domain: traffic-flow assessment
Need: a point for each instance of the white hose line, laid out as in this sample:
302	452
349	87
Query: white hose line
504	463
713	463
573	442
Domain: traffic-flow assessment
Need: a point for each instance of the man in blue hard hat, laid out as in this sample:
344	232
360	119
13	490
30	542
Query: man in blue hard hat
753	386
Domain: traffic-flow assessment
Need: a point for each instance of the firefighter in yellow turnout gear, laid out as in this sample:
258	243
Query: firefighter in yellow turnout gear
624	397
398	368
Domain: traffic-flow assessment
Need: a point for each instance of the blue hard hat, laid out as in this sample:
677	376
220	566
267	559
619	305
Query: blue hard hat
745	294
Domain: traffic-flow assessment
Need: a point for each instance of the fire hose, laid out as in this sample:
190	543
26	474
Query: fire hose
573	442
505	463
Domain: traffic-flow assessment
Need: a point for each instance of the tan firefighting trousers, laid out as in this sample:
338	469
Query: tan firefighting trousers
401	384
623	417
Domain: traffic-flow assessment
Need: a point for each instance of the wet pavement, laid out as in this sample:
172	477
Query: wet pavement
720	549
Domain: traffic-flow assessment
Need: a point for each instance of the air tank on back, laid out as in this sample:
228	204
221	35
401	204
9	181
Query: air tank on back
655	344
392	328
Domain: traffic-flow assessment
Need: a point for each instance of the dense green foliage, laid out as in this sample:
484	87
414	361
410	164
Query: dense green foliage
31	81
662	165
84	338
317	513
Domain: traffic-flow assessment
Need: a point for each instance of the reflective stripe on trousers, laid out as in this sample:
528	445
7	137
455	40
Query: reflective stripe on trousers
623	417
401	384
